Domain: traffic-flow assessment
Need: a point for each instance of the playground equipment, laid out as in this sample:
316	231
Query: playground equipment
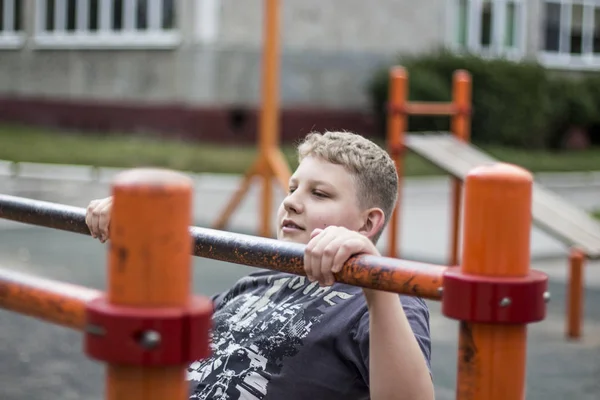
270	162
147	333
453	153
397	122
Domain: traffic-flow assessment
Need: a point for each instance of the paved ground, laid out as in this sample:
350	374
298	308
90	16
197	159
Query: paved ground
45	362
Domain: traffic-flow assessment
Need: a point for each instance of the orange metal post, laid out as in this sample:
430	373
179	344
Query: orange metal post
270	162
396	125
149	266
575	296
269	117
461	100
491	360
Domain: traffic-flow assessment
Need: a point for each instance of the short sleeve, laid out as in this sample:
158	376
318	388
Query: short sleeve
417	314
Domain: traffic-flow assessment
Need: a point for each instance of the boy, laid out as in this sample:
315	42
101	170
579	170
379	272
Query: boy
282	336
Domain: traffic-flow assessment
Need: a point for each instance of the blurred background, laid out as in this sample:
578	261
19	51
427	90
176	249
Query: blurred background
89	87
192	69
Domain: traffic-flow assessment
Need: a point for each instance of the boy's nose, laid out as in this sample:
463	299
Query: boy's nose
291	204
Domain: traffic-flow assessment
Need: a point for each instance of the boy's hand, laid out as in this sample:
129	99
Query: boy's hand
329	249
97	218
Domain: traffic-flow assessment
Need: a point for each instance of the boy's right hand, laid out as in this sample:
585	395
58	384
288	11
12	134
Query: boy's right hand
97	218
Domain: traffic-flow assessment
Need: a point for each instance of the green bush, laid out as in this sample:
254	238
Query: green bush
572	105
514	104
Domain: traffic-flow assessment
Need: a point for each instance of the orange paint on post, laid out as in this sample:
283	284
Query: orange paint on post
430	108
575	296
460	126
396	126
269	111
149	266
52	301
270	162
497	226
461	102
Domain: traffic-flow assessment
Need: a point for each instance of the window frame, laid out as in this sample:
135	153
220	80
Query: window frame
498	29
9	37
563	58
105	37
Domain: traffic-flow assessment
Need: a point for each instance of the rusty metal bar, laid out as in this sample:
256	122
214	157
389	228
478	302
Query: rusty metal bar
389	274
383	273
49	300
43	213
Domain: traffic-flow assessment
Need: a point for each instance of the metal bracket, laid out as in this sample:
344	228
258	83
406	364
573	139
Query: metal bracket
148	336
495	300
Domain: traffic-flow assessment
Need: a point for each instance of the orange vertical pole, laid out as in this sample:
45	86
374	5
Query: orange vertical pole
270	162
269	117
575	296
497	226
149	266
460	126
396	126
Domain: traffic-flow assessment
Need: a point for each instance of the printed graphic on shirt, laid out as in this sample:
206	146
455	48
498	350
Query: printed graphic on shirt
254	332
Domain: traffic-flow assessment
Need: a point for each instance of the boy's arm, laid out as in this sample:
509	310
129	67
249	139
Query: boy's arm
397	366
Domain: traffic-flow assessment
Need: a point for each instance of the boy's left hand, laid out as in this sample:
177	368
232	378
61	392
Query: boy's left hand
328	250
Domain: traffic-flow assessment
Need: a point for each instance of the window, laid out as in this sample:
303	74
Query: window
571	33
106	23
11	23
488	27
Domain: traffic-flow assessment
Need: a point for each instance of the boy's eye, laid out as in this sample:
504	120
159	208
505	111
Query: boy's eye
291	190
319	194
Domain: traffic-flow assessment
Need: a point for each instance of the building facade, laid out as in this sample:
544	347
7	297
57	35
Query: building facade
193	67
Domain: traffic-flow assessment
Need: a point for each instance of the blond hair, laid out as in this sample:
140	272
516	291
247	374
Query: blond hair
373	169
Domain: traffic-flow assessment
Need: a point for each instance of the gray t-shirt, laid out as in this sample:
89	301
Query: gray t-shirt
279	336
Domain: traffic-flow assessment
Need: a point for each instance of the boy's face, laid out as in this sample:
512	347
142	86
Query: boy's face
320	194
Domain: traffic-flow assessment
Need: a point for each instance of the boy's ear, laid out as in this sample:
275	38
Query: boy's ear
374	219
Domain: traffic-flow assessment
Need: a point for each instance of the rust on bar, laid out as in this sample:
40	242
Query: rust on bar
399	276
383	273
56	302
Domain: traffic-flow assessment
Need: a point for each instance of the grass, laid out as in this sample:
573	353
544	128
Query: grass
596	214
22	144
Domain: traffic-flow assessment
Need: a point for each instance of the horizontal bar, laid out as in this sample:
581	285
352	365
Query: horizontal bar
430	108
52	301
381	273
43	213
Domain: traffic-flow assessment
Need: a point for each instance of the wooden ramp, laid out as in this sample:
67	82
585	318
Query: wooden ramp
551	213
